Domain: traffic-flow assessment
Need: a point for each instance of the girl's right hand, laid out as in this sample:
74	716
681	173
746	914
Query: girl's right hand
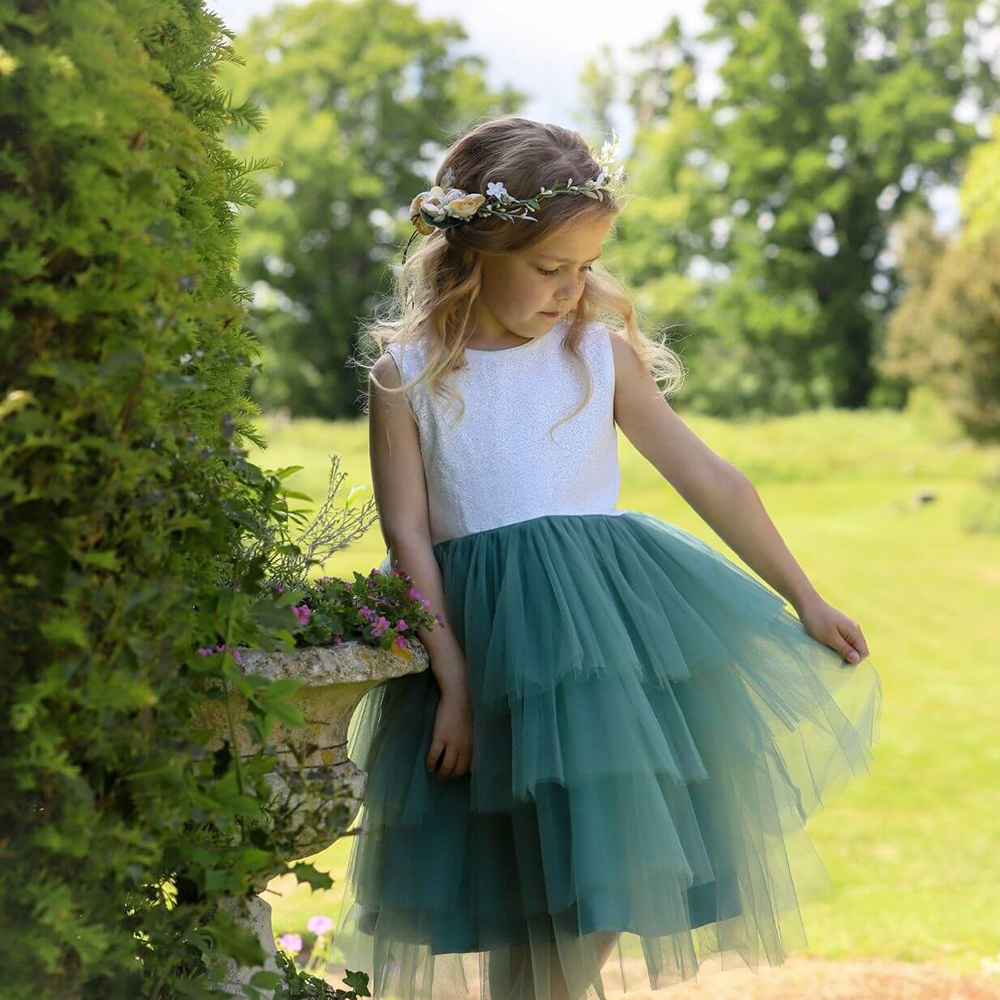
450	753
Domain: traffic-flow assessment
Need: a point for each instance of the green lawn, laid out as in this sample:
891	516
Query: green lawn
913	849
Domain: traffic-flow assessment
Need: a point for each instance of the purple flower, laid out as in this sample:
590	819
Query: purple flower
401	625
381	622
303	611
337	640
320	925
237	655
279	588
413	593
205	651
365	612
401	642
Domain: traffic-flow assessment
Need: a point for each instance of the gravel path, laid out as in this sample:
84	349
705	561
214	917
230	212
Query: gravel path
820	979
803	978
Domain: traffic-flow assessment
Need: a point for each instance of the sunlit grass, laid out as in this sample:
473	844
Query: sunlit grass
912	849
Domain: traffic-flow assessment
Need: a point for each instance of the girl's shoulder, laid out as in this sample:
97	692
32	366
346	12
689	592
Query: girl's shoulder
407	354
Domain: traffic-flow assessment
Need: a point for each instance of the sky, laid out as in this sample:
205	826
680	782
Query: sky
541	48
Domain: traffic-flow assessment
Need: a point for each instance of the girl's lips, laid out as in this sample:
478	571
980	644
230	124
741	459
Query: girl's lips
550	314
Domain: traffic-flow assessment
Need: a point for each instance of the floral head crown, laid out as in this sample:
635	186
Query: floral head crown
447	206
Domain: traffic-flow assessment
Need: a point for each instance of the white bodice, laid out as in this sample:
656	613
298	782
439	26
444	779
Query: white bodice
498	465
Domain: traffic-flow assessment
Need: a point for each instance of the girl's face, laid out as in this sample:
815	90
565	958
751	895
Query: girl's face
525	293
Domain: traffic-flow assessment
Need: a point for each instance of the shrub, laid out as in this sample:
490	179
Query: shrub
125	494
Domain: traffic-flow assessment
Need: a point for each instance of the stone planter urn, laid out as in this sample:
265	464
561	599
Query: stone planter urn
334	678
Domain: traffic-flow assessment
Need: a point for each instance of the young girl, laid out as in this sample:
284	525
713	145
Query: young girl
622	732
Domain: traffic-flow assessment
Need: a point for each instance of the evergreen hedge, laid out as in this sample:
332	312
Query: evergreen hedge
128	507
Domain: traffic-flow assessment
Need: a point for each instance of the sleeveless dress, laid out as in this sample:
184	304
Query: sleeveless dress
652	726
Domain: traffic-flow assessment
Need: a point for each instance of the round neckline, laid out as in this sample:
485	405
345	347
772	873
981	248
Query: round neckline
519	347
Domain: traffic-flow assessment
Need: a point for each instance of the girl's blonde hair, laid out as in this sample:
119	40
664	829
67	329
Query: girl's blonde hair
437	286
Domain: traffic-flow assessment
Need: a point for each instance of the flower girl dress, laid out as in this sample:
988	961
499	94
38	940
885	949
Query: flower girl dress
652	726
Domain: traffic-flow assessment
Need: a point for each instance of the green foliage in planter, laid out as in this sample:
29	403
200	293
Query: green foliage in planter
299	985
128	507
382	610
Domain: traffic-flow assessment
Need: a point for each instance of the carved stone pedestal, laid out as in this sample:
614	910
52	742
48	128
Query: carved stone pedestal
334	678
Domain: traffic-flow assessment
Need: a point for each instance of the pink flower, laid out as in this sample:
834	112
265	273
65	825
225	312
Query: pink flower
401	642
237	655
292	943
365	612
401	625
303	611
205	651
382	622
320	925
337	640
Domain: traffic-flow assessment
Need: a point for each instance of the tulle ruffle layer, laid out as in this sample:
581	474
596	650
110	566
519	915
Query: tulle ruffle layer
652	729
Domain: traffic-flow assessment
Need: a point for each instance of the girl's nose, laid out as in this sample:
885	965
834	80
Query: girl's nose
569	290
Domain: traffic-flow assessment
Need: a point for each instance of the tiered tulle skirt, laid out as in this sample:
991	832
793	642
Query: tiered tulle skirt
652	729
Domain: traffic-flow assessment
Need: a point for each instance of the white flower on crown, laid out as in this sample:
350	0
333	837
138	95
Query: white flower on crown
496	189
610	149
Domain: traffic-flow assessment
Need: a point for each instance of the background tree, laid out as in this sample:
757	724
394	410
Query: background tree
945	335
357	95
764	215
600	81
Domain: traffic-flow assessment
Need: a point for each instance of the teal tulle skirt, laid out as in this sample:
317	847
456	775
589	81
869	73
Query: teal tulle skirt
652	730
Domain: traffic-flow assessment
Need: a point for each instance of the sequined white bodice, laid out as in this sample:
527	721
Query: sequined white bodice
497	464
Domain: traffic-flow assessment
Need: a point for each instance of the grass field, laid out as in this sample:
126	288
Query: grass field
913	849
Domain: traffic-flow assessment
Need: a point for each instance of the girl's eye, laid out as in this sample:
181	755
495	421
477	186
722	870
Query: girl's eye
587	267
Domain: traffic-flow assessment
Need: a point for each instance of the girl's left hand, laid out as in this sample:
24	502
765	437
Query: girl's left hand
832	627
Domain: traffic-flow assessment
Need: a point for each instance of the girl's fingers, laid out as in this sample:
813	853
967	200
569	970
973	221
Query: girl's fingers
857	639
434	754
861	646
851	644
448	764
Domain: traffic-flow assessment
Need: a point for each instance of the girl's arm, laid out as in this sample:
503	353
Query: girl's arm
401	498
723	496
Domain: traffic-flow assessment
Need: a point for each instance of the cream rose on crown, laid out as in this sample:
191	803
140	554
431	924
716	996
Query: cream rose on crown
439	204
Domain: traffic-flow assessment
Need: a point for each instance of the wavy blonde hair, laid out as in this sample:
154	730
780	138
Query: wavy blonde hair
437	286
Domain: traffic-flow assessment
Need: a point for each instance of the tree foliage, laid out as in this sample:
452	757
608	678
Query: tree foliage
762	226
946	332
126	496
357	96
